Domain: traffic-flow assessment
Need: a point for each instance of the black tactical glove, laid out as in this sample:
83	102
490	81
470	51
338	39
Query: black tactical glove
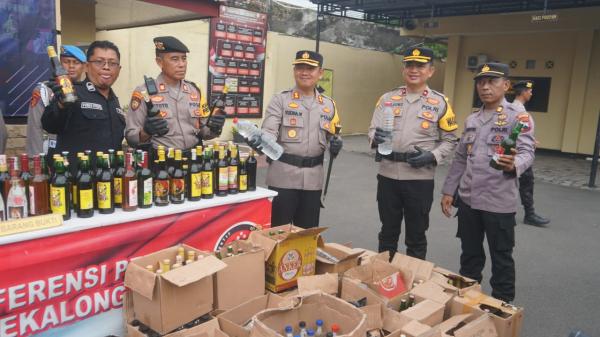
215	123
420	158
57	92
156	126
380	136
254	142
335	146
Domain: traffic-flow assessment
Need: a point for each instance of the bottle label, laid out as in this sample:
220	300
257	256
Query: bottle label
161	190
86	199
104	195
31	200
177	189
147	192
74	194
58	202
132	192
16	212
196	184
243	182
118	183
233	177
223	178
207	183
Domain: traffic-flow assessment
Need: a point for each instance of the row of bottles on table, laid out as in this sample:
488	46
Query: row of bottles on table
181	259
318	331
105	181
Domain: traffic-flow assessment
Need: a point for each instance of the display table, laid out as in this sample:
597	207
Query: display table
67	281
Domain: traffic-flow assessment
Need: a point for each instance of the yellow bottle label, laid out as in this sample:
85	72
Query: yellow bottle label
196	184
86	199
58	203
118	187
207	183
233	177
103	195
243	182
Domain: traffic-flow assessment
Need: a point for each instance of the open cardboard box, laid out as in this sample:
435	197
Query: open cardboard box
442	276
207	329
167	301
243	278
326	283
347	258
420	269
329	309
432	291
507	318
288	255
426	311
234	321
465	325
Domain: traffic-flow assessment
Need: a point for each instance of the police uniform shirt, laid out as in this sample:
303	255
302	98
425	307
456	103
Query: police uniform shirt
425	120
184	109
479	185
302	126
35	133
93	122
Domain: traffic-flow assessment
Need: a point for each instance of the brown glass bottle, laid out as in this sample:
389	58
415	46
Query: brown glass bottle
38	190
233	184
4	176
61	76
195	175
223	169
60	191
145	185
251	165
85	189
161	181
207	176
177	181
243	176
105	189
118	170
130	185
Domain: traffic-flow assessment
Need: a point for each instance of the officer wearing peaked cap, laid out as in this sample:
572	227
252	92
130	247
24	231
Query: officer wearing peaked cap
523	93
73	59
182	122
422	137
488	196
303	122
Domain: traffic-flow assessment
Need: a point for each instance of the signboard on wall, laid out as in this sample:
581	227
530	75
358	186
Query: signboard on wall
237	47
326	82
27	28
539	100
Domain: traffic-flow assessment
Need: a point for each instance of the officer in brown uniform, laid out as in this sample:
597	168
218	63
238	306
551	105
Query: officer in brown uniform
303	121
423	136
488	196
182	122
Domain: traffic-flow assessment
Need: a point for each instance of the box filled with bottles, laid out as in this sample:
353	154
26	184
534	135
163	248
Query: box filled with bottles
237	321
244	276
290	252
430	290
172	287
336	258
454	282
206	326
466	325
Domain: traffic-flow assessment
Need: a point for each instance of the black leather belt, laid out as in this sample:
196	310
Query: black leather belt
300	161
394	156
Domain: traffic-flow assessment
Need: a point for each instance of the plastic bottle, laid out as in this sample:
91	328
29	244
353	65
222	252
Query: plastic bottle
385	148
319	332
335	329
268	144
289	331
302	326
310	333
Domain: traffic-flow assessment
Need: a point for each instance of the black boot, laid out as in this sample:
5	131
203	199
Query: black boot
534	219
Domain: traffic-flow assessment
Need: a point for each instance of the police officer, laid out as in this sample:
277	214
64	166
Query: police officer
523	93
303	121
423	136
73	59
487	196
182	121
95	121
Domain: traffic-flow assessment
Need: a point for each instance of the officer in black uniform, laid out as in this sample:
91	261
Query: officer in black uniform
95	121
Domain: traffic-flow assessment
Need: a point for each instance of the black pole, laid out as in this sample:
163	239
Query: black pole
318	38
595	157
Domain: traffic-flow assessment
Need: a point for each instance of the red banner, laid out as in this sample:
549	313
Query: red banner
59	280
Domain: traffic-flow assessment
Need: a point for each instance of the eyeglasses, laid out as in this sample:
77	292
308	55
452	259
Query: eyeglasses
102	63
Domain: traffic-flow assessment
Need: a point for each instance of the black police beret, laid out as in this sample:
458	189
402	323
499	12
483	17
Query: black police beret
420	54
309	57
492	69
523	85
167	44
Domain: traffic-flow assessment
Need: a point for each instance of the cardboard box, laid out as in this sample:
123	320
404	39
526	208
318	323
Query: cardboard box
332	310
207	329
420	269
507	318
466	326
367	255
326	283
432	291
234	322
414	329
347	258
288	255
442	276
167	301
386	321
243	278
427	312
385	279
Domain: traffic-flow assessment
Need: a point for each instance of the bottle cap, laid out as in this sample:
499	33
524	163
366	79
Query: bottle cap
302	324
288	329
310	332
335	327
319	322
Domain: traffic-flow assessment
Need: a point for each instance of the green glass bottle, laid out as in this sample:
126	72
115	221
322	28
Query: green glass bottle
506	146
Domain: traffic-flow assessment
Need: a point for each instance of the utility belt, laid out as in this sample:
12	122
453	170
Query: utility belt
394	156
300	161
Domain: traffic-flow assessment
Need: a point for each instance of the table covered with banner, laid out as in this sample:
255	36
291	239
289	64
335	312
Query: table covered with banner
67	281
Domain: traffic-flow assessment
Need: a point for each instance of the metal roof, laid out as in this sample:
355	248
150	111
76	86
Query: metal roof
395	12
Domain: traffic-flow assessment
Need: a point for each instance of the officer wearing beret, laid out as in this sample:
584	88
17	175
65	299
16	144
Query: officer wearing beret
423	136
182	121
303	122
523	92
95	121
488	196
73	59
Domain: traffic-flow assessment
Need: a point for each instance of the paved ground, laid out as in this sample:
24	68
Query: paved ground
558	268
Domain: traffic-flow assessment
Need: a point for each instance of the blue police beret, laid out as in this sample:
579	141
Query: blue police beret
73	51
